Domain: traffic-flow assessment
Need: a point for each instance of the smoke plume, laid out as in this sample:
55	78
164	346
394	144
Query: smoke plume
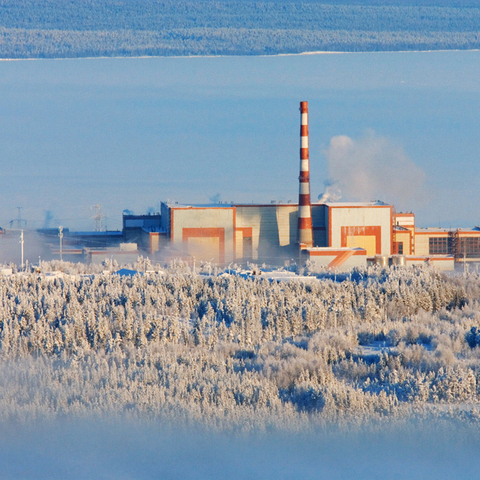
48	219
332	193
217	198
372	168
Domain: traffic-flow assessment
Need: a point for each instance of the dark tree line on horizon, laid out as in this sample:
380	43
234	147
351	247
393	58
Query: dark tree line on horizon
64	28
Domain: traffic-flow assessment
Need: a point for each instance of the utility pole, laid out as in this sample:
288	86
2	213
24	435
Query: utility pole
22	242
60	234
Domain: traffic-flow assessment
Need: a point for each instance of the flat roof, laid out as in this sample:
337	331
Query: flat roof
276	203
200	205
446	230
330	249
354	204
229	205
96	234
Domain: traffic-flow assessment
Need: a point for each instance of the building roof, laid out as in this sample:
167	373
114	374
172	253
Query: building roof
354	204
333	249
199	205
476	229
154	229
275	203
96	234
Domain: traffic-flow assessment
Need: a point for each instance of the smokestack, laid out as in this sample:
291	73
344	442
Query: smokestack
305	233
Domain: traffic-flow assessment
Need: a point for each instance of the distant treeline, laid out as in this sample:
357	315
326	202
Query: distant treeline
67	28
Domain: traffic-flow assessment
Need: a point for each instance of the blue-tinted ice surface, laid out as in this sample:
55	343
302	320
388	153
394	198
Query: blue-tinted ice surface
122	450
129	132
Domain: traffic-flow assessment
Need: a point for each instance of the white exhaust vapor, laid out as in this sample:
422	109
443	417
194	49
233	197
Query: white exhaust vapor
332	193
372	167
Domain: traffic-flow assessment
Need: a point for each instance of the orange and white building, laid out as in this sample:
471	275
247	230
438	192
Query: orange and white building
334	235
331	235
345	235
462	243
442	247
224	233
356	225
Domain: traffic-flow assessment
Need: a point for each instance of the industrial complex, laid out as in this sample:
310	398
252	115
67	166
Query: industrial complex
331	235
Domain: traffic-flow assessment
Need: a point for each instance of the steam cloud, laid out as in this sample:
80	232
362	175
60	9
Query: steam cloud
332	192
371	168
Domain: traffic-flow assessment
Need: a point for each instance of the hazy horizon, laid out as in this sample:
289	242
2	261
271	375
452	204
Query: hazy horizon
128	133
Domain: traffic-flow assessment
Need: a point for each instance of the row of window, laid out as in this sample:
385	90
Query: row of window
468	246
439	245
444	245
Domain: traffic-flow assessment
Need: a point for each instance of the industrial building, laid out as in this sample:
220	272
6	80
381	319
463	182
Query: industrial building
272	233
331	235
268	233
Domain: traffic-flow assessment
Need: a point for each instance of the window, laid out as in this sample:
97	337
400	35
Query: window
439	245
398	248
469	246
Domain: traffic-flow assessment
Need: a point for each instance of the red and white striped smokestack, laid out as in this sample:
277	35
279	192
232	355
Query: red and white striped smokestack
305	232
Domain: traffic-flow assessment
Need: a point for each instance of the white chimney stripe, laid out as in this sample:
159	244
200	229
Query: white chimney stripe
304	142
304	119
304	188
304	165
304	211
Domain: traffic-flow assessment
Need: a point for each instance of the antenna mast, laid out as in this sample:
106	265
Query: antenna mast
19	220
98	217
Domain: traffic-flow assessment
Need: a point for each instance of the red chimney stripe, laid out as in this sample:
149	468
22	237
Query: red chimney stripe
304	199
304	223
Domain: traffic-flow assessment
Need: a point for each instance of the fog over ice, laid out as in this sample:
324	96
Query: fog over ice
127	450
127	133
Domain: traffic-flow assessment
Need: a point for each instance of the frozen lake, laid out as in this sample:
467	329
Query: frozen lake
127	133
126	450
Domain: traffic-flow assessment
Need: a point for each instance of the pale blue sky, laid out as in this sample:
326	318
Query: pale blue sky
127	133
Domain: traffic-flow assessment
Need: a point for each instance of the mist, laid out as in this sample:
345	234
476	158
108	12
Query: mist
119	448
35	247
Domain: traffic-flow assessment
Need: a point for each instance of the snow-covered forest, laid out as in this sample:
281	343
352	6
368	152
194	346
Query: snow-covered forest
63	28
231	352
